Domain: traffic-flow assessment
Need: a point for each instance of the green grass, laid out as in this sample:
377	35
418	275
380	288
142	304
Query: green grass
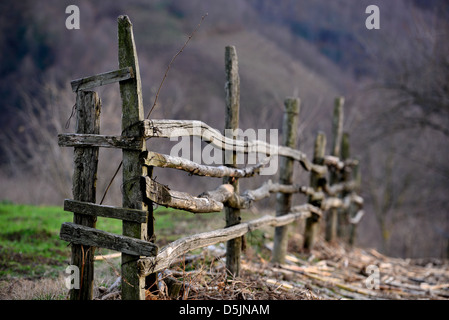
30	244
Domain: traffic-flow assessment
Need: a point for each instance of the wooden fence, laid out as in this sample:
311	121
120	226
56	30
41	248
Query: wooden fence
141	258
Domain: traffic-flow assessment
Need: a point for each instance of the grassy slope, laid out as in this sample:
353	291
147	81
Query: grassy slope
30	244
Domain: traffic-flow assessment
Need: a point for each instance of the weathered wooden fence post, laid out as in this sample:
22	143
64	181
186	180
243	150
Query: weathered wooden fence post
133	285
232	90
344	214
283	200
88	107
337	132
312	225
357	177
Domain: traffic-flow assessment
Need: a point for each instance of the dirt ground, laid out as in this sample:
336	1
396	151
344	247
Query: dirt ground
329	272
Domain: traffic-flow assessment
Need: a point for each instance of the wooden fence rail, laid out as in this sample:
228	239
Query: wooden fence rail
172	251
333	187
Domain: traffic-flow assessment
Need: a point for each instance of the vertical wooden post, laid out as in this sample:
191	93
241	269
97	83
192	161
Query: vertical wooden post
232	90
133	286
343	216
356	176
311	228
88	107
283	200
337	132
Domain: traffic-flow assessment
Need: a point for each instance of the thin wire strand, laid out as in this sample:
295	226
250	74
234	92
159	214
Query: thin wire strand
110	182
157	95
172	60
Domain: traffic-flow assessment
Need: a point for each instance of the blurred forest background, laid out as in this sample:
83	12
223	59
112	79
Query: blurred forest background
395	82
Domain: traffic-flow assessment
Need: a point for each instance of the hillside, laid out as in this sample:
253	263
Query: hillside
394	81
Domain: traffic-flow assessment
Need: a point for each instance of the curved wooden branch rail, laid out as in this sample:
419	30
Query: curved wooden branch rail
172	251
155	159
184	128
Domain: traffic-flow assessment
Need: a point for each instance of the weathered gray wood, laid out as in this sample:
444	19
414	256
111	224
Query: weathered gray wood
172	251
184	128
162	195
133	286
355	219
97	210
245	200
88	108
336	189
232	100
337	126
283	200
343	228
332	203
334	161
96	140
102	79
340	164
212	201
86	236
314	196
221	194
311	228
337	133
165	161
339	203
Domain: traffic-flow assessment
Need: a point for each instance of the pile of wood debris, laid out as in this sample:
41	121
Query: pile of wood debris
327	272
